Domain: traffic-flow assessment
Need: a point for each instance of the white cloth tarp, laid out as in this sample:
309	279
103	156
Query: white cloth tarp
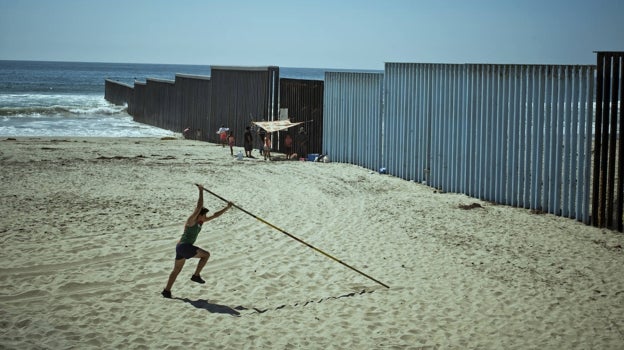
276	125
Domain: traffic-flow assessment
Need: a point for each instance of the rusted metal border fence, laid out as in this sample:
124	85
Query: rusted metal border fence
512	134
519	135
231	96
608	175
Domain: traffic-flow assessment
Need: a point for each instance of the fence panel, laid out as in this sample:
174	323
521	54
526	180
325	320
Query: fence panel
194	94
137	108
352	118
240	95
304	101
406	120
161	108
608	180
117	92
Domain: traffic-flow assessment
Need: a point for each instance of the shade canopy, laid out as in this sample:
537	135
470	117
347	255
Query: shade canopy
276	125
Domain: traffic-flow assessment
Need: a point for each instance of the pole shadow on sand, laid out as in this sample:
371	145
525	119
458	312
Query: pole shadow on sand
223	309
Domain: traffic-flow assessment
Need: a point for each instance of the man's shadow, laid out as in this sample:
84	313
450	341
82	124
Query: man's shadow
210	307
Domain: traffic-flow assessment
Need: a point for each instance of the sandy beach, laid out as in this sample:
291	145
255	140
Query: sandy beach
89	227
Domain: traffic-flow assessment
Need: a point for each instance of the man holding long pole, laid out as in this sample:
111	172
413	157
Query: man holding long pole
185	249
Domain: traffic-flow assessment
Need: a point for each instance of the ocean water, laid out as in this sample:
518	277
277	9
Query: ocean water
67	98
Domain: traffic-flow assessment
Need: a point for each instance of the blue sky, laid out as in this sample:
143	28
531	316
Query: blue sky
352	34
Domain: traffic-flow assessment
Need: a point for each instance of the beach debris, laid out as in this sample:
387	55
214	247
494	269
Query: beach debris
167	158
470	206
140	156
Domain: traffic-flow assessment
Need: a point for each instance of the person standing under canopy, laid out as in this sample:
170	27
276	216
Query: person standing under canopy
248	142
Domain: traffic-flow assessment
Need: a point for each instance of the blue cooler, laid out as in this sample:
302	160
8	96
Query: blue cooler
312	156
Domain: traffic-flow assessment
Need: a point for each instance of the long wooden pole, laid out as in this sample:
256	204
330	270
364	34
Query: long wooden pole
297	239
